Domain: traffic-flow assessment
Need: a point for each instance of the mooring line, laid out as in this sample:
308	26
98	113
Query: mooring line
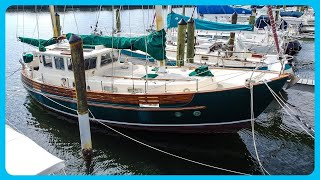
154	148
278	99
263	170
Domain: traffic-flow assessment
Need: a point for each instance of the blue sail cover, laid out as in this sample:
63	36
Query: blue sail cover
214	9
257	6
173	19
296	14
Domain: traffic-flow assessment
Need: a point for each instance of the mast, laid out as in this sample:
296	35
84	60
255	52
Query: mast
55	20
183	10
273	27
275	37
160	26
118	21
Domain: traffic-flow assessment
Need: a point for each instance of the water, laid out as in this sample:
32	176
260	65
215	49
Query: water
284	148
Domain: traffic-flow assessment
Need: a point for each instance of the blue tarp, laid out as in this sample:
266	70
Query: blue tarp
264	21
173	19
296	14
257	6
221	10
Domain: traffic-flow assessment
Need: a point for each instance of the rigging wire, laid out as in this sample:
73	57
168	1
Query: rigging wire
64	15
74	16
17	28
37	19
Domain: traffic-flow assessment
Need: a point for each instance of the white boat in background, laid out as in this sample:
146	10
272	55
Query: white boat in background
25	157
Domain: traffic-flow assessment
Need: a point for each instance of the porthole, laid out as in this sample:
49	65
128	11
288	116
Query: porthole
197	113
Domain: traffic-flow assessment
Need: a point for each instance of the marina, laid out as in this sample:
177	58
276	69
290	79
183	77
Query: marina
157	105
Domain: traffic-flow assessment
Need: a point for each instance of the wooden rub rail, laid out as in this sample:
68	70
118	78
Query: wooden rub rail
111	97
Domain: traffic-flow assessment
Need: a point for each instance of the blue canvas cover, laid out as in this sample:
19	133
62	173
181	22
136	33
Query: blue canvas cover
214	9
262	21
173	19
257	6
296	14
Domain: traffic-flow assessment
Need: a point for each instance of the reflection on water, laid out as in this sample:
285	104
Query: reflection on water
283	147
219	150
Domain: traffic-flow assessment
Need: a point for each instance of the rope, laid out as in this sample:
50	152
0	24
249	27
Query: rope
279	100
263	170
297	116
165	152
149	146
13	72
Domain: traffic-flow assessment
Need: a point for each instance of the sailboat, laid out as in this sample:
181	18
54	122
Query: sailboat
187	99
212	46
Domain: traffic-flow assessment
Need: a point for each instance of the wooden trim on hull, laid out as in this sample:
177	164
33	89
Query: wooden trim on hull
134	99
214	111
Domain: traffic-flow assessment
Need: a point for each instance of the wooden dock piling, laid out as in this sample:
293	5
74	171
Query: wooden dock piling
76	46
190	40
182	26
232	34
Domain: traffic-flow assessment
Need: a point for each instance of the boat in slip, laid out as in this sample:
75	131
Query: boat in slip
130	93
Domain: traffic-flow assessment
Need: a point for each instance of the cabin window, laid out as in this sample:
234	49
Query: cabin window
110	88
205	36
59	62
69	64
90	63
135	90
47	61
105	59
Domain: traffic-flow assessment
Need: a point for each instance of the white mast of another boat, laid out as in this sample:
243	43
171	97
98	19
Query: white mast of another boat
55	20
169	31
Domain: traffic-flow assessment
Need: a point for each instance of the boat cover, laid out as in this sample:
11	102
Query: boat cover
25	157
173	19
201	71
155	43
296	14
216	9
41	43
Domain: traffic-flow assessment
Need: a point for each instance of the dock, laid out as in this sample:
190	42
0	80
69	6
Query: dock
309	82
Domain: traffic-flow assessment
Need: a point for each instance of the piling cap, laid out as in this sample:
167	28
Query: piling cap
74	38
182	22
190	20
